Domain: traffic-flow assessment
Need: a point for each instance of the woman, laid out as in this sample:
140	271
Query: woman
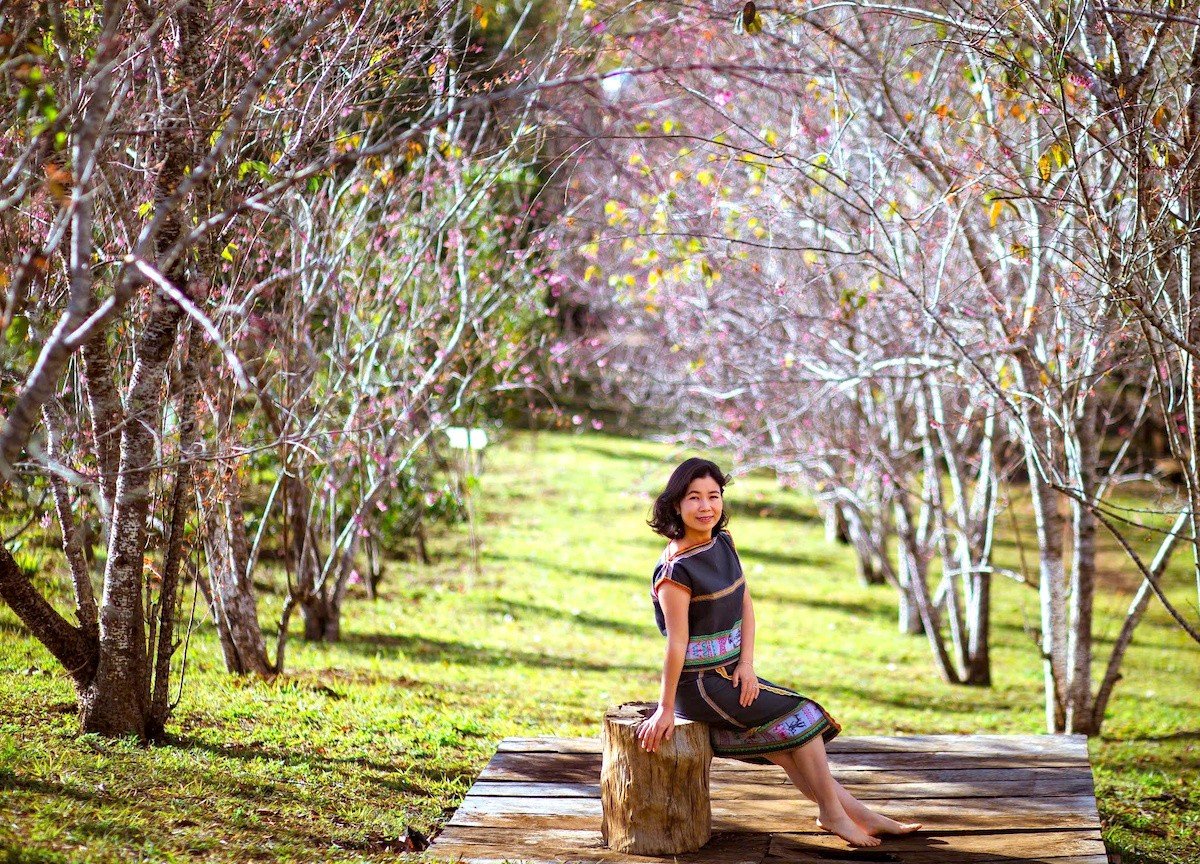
702	606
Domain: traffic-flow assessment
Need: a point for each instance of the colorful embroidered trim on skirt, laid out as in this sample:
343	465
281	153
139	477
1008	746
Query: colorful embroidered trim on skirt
714	648
791	730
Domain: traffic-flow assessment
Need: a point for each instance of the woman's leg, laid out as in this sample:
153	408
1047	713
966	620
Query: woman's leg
811	770
873	823
784	760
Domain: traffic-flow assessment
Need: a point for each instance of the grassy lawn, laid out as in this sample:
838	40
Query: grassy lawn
388	728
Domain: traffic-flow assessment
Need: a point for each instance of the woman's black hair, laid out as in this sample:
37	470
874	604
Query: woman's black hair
663	517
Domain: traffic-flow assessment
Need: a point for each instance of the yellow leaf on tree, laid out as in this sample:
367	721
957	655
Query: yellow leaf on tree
705	177
994	211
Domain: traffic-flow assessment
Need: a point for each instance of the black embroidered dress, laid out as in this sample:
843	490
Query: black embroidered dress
779	718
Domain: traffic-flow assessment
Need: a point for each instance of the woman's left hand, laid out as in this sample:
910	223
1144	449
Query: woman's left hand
747	683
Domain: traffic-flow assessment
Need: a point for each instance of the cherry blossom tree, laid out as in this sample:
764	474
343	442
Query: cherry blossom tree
881	264
159	169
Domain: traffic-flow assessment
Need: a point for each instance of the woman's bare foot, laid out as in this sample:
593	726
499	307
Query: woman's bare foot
876	824
846	828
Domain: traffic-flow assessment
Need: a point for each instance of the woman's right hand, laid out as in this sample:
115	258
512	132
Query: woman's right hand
656	728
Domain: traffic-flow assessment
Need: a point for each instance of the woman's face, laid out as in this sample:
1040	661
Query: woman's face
700	506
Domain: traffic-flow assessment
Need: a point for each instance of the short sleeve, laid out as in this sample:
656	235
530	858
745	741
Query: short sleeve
672	573
729	539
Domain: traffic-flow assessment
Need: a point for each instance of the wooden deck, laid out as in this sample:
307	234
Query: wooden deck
982	798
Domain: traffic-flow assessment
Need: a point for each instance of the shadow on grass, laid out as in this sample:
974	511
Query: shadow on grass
871	607
500	606
784	559
1181	735
326	764
475	655
570	569
772	510
912	702
14	628
10	782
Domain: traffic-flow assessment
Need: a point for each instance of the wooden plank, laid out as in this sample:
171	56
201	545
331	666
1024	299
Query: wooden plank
1043	847
507	788
585	767
995	745
765	816
982	799
528	768
554	845
936	848
1063	781
491	855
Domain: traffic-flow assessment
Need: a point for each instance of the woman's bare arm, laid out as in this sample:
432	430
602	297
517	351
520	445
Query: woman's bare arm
674	603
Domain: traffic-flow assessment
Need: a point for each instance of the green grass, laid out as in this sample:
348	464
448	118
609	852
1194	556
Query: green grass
388	728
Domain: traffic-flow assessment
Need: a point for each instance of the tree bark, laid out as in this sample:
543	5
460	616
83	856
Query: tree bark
168	598
75	650
1052	591
106	415
1079	714
322	618
228	588
918	590
1137	607
85	598
116	702
654	803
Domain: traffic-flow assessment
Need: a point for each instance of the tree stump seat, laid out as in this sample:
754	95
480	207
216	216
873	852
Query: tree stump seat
654	803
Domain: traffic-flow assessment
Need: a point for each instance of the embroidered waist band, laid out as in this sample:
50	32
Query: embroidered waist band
713	649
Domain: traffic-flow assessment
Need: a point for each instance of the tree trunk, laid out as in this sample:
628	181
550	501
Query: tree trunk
116	703
1078	716
837	530
1052	585
918	591
422	547
181	500
979	623
322	619
654	803
1052	590
1133	617
228	589
909	613
867	563
71	646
